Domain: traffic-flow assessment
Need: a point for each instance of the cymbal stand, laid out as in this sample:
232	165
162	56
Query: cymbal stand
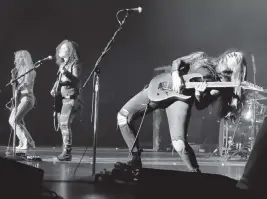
240	150
254	127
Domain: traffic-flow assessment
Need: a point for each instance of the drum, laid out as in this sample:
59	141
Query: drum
235	134
247	112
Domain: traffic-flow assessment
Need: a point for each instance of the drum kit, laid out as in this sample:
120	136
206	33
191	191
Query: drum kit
238	138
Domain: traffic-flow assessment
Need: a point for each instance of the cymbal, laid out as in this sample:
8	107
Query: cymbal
251	94
262	98
244	127
249	102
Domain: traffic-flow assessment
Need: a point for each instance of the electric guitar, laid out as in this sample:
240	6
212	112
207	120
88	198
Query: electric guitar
160	87
57	103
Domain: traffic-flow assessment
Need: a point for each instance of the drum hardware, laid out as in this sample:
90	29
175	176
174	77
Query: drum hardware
253	113
236	148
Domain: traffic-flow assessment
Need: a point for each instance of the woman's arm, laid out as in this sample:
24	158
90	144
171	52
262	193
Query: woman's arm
180	67
74	76
203	100
181	63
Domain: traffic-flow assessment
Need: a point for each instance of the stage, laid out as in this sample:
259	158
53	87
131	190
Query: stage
60	176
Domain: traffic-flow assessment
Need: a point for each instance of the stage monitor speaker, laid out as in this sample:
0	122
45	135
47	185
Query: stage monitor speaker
165	184
18	180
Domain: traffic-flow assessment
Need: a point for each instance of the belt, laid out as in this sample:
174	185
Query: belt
71	96
67	83
26	91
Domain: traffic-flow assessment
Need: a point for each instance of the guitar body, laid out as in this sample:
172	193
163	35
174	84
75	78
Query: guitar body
160	87
57	104
57	109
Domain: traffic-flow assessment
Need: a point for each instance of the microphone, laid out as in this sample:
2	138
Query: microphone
47	58
139	9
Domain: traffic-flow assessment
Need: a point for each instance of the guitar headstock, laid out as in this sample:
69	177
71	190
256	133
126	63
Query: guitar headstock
250	86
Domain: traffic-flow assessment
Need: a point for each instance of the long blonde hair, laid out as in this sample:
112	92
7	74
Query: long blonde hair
28	63
231	66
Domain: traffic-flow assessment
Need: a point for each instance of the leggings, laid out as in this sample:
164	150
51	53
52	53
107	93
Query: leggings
25	104
178	114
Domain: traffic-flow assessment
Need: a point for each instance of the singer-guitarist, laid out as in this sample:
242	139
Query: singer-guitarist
228	67
66	93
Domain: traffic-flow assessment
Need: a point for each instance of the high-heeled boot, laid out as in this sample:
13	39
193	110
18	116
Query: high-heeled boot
66	154
134	161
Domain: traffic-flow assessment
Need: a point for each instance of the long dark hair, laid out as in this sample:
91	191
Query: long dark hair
74	55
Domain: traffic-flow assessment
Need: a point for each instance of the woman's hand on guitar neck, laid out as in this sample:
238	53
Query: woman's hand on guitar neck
200	88
177	82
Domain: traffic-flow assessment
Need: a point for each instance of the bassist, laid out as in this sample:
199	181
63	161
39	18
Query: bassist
66	93
230	66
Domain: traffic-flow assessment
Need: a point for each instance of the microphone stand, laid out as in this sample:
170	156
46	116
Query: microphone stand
96	88
13	155
36	65
254	128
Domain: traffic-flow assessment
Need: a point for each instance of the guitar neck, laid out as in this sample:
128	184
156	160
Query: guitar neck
212	84
191	85
244	85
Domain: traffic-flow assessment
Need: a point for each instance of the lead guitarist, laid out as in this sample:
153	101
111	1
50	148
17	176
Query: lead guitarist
67	89
230	66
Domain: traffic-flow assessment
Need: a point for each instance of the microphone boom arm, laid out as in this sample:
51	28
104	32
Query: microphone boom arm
14	80
107	48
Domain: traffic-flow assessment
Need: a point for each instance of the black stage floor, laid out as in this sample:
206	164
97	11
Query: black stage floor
62	178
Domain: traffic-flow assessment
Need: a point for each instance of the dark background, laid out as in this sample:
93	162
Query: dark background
166	30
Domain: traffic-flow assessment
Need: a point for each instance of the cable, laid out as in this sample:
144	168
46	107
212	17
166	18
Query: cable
50	192
80	160
137	134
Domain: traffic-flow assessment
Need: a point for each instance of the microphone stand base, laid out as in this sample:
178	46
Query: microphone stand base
17	157
14	157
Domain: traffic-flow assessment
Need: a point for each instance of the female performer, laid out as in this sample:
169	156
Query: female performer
230	66
67	87
23	95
